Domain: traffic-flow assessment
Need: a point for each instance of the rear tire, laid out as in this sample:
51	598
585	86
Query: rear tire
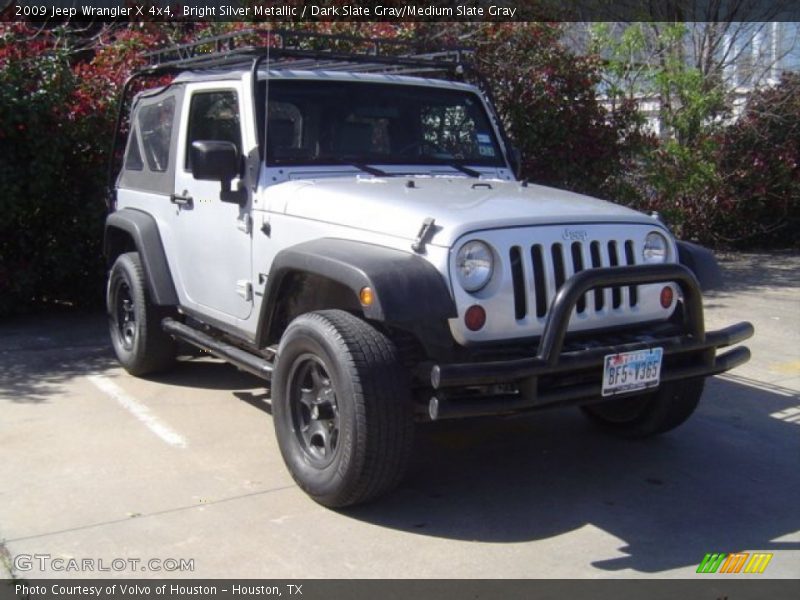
140	344
645	415
342	408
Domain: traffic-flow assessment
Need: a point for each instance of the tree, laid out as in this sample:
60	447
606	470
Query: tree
58	89
547	99
760	159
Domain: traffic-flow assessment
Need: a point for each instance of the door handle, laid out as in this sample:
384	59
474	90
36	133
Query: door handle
181	200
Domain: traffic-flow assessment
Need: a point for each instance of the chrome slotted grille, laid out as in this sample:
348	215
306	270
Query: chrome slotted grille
539	271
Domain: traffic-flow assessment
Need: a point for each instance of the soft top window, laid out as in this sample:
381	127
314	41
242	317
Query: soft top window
155	124
133	157
149	163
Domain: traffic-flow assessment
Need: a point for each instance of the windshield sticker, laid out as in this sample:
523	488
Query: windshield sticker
484	138
486	150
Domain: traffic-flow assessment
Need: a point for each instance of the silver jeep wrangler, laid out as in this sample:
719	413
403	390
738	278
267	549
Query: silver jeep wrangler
349	227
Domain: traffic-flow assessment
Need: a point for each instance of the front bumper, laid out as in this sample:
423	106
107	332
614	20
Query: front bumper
556	377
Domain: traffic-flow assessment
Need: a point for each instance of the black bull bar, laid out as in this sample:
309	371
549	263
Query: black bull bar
550	360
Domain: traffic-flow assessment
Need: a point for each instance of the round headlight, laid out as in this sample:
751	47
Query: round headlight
474	265
655	248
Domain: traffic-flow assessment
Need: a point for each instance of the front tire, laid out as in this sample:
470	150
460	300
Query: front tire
342	408
140	344
646	415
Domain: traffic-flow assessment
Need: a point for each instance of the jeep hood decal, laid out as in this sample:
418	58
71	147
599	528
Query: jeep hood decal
396	207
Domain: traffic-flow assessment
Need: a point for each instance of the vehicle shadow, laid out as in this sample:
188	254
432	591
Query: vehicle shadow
39	355
213	374
261	401
727	480
207	373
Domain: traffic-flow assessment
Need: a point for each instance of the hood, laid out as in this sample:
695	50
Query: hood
397	206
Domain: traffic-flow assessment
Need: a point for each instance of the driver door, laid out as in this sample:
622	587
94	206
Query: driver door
213	237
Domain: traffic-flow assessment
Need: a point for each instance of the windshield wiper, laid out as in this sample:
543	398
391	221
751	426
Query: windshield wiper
371	170
465	170
324	160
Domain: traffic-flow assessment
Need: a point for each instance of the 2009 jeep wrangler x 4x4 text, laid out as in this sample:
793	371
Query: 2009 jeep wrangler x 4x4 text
352	231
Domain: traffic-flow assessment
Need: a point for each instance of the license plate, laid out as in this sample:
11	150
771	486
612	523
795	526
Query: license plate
631	371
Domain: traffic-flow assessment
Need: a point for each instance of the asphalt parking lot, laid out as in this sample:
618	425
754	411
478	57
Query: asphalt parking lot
97	465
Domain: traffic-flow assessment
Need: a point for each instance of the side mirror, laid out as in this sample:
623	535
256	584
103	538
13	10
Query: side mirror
515	159
217	161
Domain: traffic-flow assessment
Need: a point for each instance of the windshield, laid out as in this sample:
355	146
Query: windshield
313	122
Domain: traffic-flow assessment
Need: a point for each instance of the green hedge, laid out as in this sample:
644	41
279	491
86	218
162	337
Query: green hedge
51	181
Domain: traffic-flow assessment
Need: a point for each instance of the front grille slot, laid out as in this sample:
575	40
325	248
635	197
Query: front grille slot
558	265
539	281
577	266
550	266
613	261
594	248
631	259
520	304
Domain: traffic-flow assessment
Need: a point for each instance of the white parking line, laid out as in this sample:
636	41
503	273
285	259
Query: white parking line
790	414
138	410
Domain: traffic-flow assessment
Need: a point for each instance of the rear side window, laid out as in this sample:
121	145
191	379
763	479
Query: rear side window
133	157
213	116
155	125
150	156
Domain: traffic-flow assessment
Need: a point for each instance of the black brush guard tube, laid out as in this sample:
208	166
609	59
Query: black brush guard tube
550	360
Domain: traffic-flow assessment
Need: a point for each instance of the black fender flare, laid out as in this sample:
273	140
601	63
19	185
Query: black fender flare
702	263
143	230
408	290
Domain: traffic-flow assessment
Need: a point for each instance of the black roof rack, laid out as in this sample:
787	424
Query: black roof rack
304	50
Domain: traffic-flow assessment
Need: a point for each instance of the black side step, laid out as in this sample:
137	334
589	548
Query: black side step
236	356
